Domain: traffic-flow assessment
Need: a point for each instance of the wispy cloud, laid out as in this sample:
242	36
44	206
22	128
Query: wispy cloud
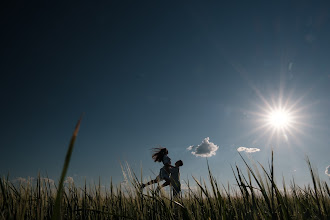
248	150
205	149
48	180
327	170
69	180
23	180
32	180
184	187
20	180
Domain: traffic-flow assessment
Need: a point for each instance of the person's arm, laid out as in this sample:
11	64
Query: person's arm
168	166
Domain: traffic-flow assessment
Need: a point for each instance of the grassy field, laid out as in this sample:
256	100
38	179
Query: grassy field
255	196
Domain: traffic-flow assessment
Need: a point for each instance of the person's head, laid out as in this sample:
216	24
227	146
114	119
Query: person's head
159	153
179	163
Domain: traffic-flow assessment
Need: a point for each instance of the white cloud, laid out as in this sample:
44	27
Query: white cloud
190	147
47	180
327	170
205	149
69	180
32	181
248	150
23	180
184	187
20	179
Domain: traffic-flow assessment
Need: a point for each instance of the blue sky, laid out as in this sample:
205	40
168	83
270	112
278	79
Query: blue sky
151	73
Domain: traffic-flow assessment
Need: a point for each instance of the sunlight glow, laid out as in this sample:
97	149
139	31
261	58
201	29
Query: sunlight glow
279	119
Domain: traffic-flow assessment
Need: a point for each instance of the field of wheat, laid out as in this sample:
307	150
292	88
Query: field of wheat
256	195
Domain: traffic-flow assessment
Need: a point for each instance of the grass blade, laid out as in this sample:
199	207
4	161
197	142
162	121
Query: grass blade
57	208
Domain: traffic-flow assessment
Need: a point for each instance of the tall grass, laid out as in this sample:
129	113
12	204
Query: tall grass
256	196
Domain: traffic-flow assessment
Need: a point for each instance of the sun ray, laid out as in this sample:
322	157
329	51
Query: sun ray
280	117
282	121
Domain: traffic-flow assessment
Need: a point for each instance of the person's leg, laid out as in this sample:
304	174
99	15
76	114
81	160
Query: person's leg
156	180
167	182
176	192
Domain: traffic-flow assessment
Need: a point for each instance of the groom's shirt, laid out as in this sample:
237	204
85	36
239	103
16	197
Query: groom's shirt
175	177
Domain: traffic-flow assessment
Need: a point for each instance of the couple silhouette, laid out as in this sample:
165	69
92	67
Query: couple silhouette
169	173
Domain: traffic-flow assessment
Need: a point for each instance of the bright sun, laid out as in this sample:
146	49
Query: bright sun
279	119
279	122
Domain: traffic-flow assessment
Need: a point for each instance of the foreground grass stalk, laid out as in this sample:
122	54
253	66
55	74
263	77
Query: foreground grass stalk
57	208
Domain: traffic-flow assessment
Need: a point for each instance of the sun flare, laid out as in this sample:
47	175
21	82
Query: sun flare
279	121
279	118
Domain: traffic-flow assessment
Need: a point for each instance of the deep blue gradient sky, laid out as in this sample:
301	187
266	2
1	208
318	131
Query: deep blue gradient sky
150	73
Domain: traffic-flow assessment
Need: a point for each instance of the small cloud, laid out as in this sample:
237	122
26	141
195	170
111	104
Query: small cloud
32	181
205	149
20	180
23	180
327	170
184	187
69	180
190	147
248	150
47	180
